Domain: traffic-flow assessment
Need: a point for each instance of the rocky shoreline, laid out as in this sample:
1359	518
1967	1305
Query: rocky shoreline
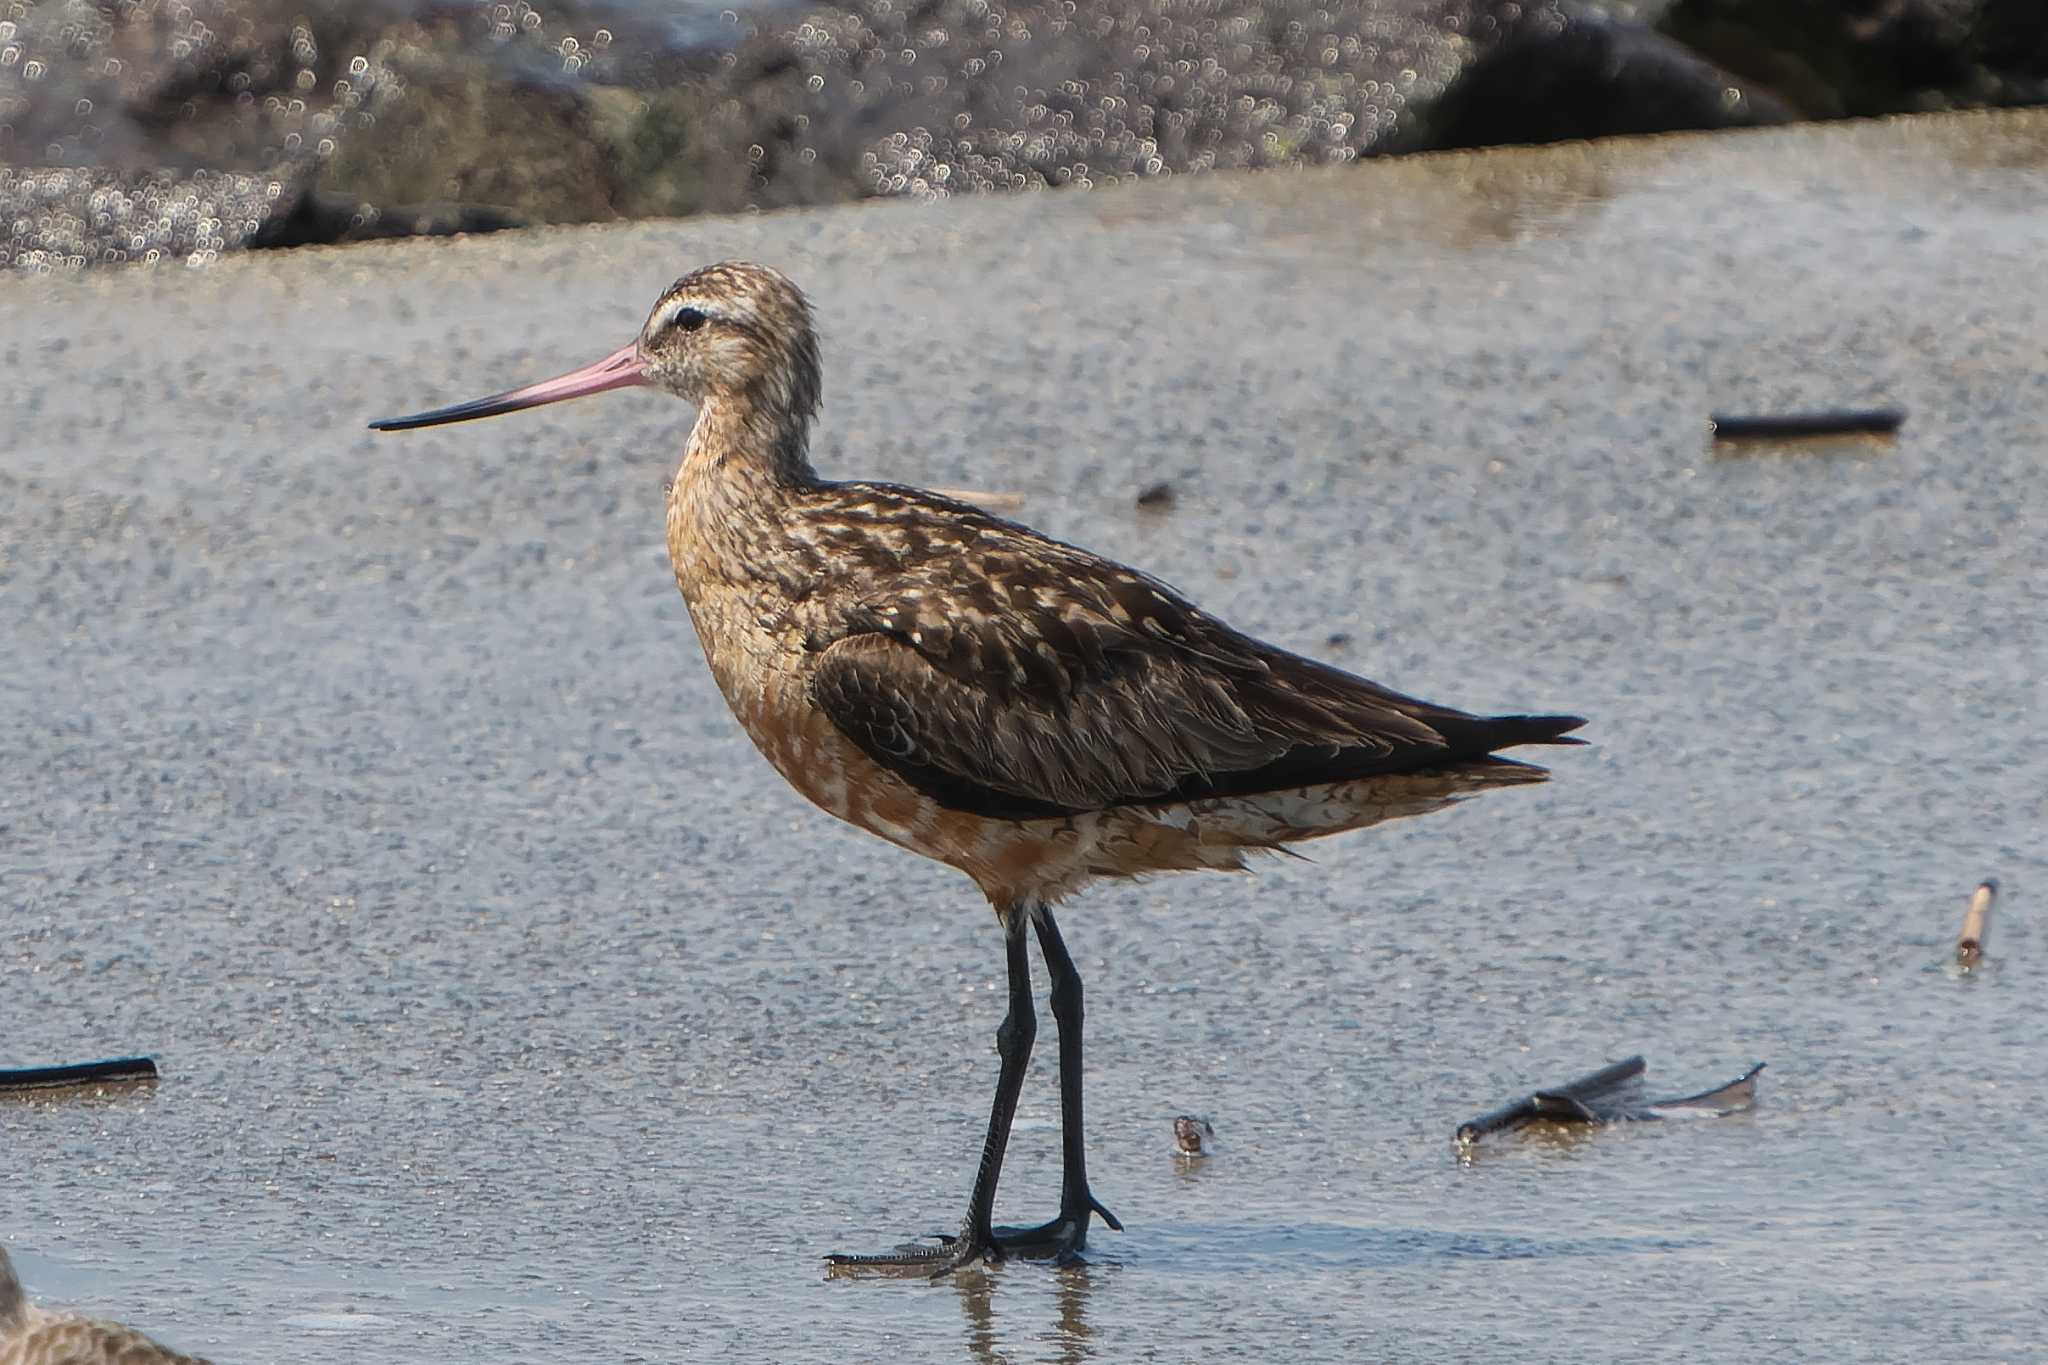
143	131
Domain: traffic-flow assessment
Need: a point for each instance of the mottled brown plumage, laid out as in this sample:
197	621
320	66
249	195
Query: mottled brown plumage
33	1336
1030	713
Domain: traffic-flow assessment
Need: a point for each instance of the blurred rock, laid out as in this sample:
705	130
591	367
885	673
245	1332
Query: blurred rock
1856	58
152	129
213	84
949	95
68	218
134	130
464	129
318	216
1589	76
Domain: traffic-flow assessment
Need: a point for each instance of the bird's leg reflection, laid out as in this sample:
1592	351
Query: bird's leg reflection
1070	1333
1076	1338
977	1305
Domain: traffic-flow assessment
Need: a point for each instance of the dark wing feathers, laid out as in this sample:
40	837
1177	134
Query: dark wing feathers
886	704
1020	678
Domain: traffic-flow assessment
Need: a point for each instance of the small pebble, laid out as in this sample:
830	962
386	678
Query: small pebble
1158	497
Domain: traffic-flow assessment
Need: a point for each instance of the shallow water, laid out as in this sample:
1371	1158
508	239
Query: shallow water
509	1007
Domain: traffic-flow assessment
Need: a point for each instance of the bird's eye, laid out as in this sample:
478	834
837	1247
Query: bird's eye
690	319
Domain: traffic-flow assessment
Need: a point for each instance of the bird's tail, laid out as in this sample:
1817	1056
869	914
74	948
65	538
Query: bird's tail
13	1303
1472	736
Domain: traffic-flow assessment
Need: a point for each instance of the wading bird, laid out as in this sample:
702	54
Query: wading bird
1025	711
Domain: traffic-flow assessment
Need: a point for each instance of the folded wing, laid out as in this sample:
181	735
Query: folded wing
1076	685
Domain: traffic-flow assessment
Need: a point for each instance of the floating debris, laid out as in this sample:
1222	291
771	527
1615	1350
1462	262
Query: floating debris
1794	425
1568	1103
33	1336
1193	1136
112	1071
1976	925
1605	1096
1732	1098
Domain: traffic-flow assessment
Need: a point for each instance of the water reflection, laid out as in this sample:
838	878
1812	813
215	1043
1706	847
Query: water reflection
109	1095
1309	1248
1070	1335
1542	1136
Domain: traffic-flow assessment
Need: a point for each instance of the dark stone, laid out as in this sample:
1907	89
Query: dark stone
2011	39
466	130
1579	76
1858	58
318	217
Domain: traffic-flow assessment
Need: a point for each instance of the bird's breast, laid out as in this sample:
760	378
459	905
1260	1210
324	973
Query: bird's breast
767	689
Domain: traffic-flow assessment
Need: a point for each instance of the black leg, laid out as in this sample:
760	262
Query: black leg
1067	1233
1013	1045
1014	1037
1077	1201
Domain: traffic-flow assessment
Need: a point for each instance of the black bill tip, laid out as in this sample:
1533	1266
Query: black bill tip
456	412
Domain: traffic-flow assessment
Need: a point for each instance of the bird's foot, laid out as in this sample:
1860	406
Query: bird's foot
1060	1239
924	1255
935	1256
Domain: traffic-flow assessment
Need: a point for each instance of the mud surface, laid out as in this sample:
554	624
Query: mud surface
510	1007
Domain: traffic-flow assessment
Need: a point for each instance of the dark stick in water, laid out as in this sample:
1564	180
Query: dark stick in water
113	1069
1846	422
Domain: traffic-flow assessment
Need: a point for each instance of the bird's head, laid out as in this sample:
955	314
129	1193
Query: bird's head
733	331
738	329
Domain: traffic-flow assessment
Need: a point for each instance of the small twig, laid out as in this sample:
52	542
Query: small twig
1846	422
1976	925
984	498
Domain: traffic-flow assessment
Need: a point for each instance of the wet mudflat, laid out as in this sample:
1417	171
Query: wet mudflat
510	1007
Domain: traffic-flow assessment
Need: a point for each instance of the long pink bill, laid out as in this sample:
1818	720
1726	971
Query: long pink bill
621	369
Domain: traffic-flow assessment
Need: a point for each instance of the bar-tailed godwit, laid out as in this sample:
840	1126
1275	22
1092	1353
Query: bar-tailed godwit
1032	714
